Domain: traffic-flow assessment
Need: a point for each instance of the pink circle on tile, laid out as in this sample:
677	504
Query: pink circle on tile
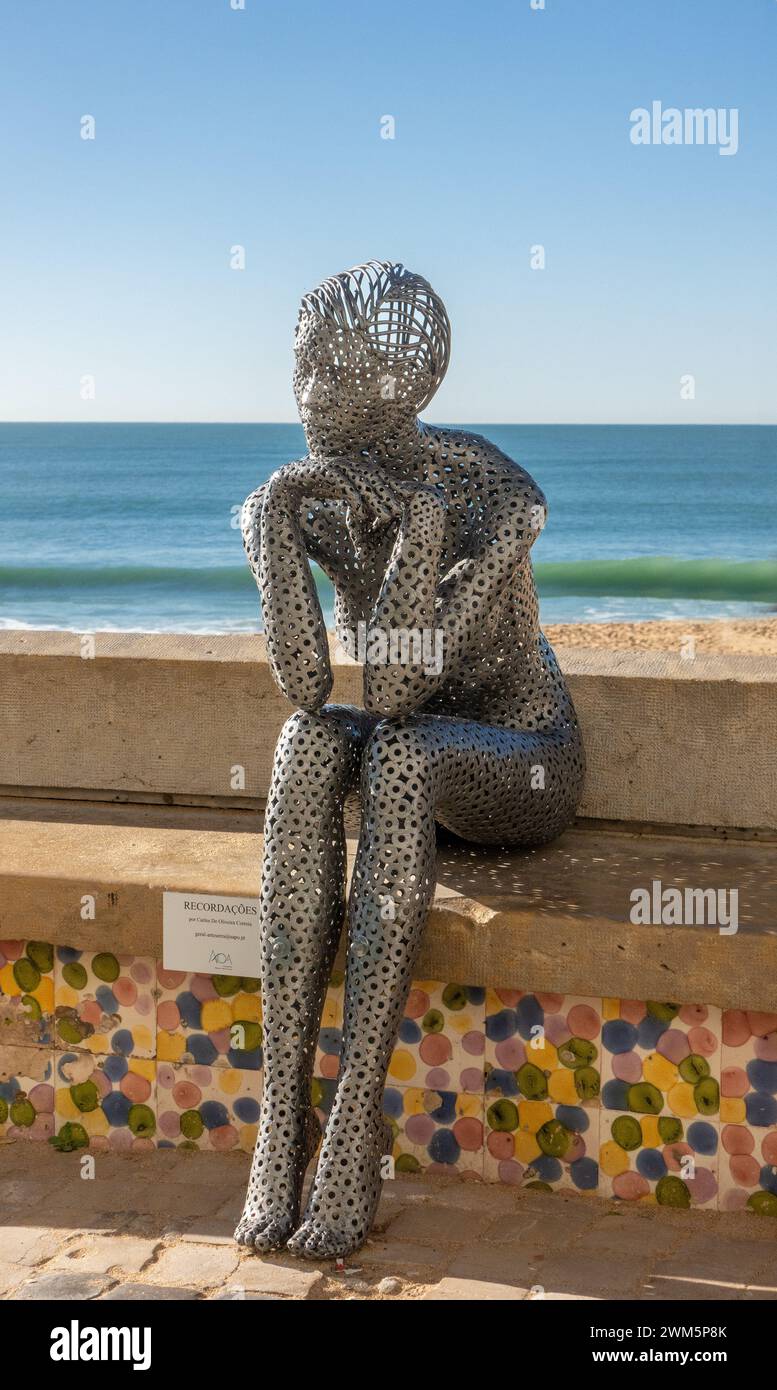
633	1010
702	1041
627	1066
89	1011
766	1048
419	1128
474	1043
144	1005
736	1029
438	1079
761	1023
168	1016
584	1022
327	1066
102	1083
673	1045
510	1171
734	1082
222	1040
471	1079
630	1186
693	1013
745	1170
170	979
203	988
12	949
417	1003
120	1139
703	1186
42	1127
769	1148
186	1095
735	1199
169	1122
509	997
201	1076
551	1003
165	1075
135	1088
142	1145
99	1143
142	971
223	1137
125	990
435	1049
499	1144
737	1139
557	1029
673	1153
510	1054
576	1149
41	1097
469	1132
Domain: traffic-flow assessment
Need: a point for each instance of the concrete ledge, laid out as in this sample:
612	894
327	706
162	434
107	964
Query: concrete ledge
169	716
553	920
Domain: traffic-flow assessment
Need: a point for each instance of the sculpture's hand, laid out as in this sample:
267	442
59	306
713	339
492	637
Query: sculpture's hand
371	500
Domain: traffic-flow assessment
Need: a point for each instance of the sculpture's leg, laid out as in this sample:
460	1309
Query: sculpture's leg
411	770
301	912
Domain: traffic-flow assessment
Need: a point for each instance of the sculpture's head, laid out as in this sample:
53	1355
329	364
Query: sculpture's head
371	348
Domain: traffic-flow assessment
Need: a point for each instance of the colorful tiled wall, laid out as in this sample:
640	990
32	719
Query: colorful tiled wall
640	1101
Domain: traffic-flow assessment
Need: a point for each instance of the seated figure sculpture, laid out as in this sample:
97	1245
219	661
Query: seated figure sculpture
421	530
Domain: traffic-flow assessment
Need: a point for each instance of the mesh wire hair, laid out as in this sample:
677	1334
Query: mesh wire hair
397	311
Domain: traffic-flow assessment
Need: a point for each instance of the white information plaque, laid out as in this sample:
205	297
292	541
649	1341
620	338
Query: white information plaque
210	934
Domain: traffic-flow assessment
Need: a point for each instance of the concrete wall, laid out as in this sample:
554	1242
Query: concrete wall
668	741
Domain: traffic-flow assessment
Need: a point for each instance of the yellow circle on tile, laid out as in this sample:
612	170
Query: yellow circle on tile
170	1047
402	1065
613	1159
247	1008
659	1071
216	1014
533	1114
561	1087
733	1110
525	1147
680	1100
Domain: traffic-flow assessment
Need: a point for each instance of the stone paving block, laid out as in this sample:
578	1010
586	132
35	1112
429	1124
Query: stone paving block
493	1265
147	1293
258	1276
200	1265
122	1254
453	1290
438	1224
210	1231
590	1275
10	1276
549	1230
63	1287
399	1255
29	1245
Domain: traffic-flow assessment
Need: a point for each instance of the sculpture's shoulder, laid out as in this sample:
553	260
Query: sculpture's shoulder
476	459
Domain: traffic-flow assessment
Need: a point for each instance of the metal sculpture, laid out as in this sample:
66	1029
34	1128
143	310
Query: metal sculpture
426	535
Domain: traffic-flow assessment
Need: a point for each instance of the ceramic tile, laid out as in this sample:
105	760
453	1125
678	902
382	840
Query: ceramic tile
104	1102
543	1047
748	1168
209	1020
105	1003
659	1158
26	1092
441	1038
661	1058
26	993
435	1131
534	1143
203	1107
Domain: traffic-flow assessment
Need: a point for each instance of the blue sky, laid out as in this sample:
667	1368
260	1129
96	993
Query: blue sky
261	127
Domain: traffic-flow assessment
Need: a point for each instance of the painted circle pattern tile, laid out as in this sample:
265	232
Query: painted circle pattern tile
201	1107
26	992
661	1058
543	1047
105	1003
660	1159
209	1020
104	1102
435	1131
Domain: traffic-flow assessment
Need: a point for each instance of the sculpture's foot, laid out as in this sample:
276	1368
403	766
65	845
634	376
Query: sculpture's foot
346	1188
271	1210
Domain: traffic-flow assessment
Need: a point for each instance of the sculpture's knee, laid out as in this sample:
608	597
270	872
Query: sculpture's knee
400	762
319	747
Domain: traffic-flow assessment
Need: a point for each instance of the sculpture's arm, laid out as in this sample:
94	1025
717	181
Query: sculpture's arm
454	608
283	523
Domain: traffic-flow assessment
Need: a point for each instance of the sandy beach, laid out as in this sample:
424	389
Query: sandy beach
754	635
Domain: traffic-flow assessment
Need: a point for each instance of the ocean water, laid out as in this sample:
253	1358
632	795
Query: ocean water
136	526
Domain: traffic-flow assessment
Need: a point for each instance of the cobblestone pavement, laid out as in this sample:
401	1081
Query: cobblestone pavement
159	1226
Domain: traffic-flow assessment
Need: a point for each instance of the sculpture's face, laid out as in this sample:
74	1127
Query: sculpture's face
348	393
